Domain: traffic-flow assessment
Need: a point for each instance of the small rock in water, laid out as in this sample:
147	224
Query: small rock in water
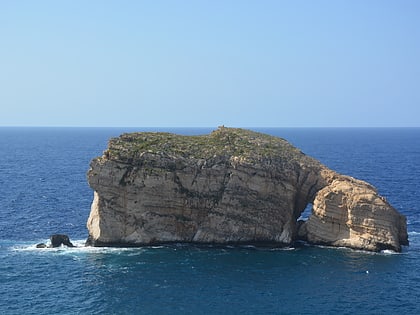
56	241
60	239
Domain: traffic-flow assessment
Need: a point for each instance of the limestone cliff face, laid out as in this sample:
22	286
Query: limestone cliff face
232	186
350	213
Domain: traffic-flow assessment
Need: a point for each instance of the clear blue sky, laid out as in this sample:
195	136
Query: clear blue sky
207	63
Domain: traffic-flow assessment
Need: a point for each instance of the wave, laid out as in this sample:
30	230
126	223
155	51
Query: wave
79	248
361	251
26	246
389	252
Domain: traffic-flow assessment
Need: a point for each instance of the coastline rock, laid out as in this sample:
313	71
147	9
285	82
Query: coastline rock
350	213
232	186
60	239
56	241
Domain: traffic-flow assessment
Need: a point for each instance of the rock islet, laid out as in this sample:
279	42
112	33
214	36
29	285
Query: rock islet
233	186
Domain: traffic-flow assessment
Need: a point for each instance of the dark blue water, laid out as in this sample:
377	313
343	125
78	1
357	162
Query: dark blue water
43	190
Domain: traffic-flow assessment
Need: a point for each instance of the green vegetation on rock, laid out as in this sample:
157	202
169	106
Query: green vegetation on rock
224	142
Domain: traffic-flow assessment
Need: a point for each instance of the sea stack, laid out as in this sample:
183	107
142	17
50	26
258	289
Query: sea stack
233	186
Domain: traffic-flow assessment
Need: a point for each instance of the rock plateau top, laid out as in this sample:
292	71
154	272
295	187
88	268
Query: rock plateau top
233	186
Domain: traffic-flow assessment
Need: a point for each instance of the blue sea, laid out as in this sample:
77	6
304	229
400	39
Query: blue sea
43	190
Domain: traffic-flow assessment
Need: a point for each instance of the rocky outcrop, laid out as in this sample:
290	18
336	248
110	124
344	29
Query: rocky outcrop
56	241
232	186
350	213
60	239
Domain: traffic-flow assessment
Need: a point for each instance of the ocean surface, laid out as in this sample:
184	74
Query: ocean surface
43	190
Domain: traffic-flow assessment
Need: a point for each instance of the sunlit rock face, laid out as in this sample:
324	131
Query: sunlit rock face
350	213
231	186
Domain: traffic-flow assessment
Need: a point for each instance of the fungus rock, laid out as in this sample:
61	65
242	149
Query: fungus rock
231	186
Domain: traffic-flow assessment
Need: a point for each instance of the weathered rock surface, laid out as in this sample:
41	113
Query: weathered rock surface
350	213
232	186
